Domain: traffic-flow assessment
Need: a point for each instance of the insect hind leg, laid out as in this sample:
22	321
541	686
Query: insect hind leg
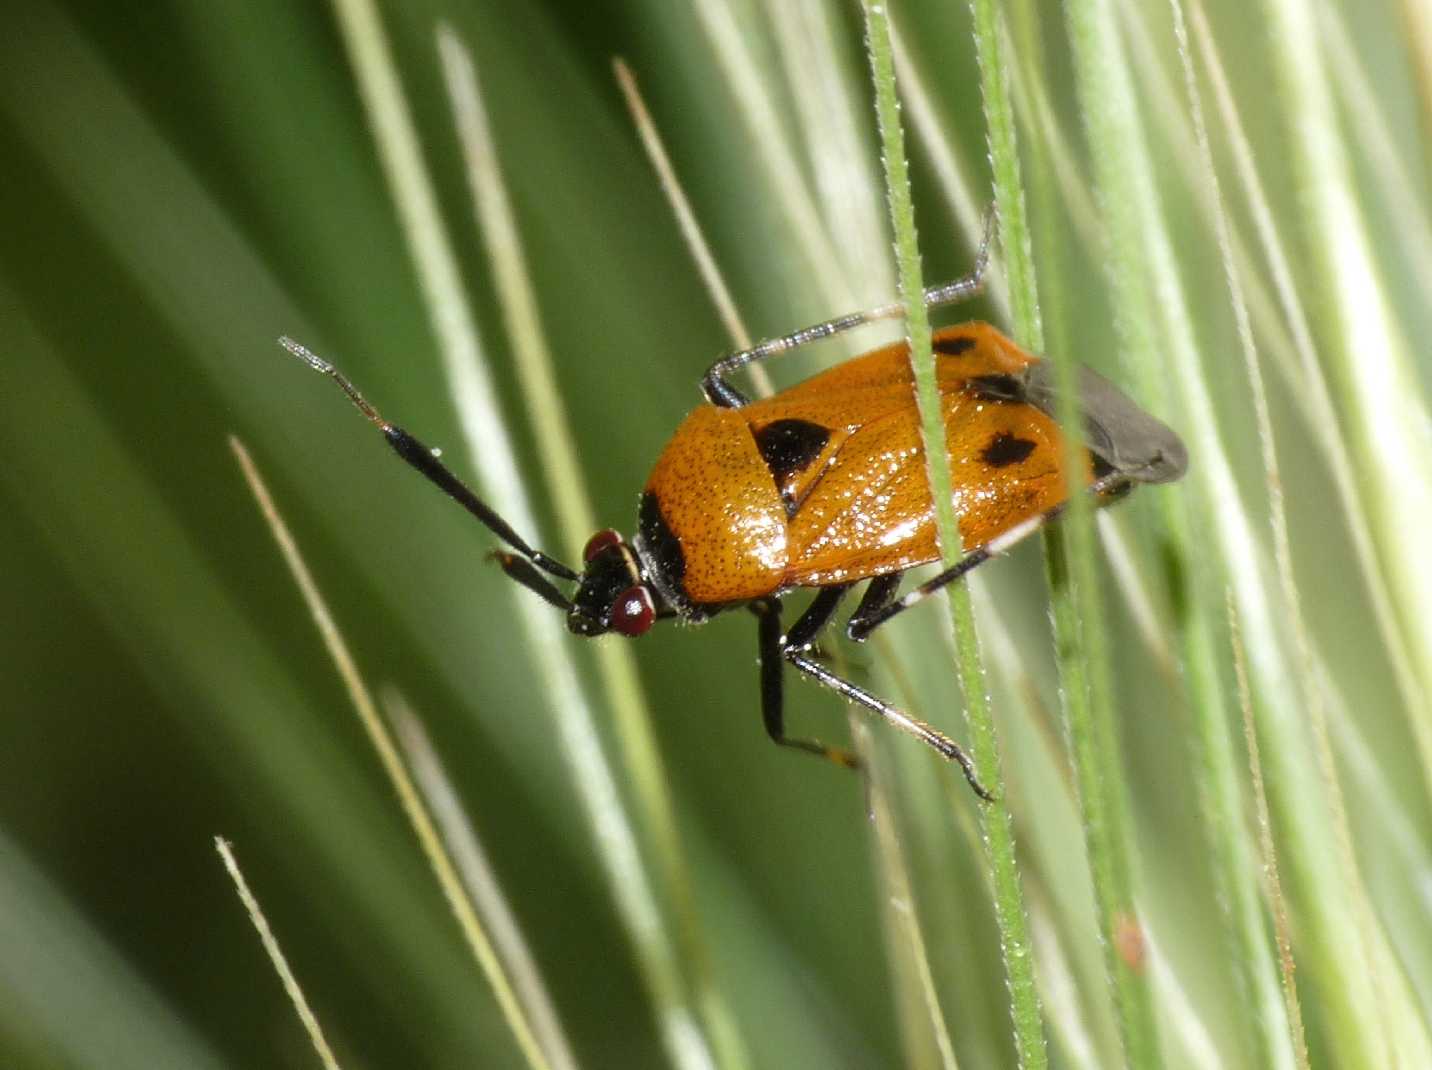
775	649
927	734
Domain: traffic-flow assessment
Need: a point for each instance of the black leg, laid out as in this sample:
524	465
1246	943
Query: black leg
721	393
776	649
768	614
879	594
919	729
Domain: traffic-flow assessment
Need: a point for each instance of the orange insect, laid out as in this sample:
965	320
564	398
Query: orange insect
823	485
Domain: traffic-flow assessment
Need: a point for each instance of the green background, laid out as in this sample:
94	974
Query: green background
181	183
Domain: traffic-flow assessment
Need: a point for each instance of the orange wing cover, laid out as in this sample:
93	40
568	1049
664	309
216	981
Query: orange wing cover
825	483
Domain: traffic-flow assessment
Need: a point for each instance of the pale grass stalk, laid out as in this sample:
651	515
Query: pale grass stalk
748	83
492	456
901	913
1184	1021
1155	311
276	956
1384	410
1381	397
1268	847
392	763
1310	383
1244	918
998	827
1405	202
691	233
1303	373
615	661
832	122
478	879
1059	990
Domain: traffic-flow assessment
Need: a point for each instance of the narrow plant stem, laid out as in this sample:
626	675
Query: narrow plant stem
1228	844
1107	105
902	919
952	172
382	742
479	880
1076	605
686	221
747	84
998	828
276	956
1014	233
1292	1006
542	395
633	889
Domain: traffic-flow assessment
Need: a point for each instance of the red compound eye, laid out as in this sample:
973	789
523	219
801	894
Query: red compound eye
599	542
633	612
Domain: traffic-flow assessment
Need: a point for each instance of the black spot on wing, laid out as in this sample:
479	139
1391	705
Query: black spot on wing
953	347
996	387
790	446
1006	449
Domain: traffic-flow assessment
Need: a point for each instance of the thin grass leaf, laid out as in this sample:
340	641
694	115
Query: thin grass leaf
1293	1022
1304	375
686	1042
275	953
746	82
383	745
999	837
1223	798
478	878
1381	400
641	759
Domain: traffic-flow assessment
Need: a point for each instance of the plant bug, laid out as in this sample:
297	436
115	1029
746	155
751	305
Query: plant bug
823	485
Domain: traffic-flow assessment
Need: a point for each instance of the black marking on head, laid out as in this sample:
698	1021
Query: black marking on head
664	563
954	347
661	548
1005	449
996	387
607	574
790	446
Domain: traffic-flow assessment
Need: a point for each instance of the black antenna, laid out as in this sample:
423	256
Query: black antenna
425	461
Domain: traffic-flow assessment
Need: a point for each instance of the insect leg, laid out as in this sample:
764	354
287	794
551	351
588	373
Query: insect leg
774	653
879	594
719	392
927	734
425	461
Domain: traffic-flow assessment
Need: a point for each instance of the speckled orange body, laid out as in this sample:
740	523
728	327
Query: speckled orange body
846	496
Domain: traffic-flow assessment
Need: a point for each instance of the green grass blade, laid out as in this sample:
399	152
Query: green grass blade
615	661
452	317
999	834
276	956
